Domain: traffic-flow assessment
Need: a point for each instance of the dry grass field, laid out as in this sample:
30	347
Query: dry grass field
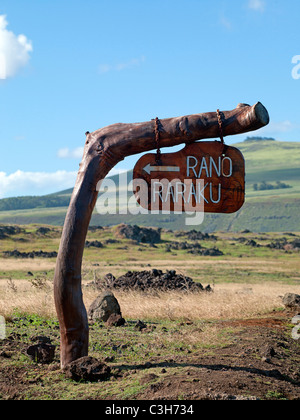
216	340
229	301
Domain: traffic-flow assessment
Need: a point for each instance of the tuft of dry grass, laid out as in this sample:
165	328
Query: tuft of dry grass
24	297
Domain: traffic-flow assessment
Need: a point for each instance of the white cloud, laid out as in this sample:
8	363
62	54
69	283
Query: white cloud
14	51
19	138
66	153
23	183
257	5
277	129
134	62
280	127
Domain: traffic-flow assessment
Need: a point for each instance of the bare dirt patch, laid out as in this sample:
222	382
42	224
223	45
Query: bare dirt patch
263	363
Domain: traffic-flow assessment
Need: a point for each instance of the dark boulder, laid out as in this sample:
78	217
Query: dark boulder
87	369
103	307
139	234
291	301
115	320
154	280
41	353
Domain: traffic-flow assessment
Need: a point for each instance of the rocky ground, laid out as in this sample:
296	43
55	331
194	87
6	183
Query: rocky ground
259	359
150	280
169	354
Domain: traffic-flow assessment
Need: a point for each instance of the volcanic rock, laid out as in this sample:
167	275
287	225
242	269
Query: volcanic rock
139	234
104	306
155	280
115	320
291	301
87	369
32	254
41	353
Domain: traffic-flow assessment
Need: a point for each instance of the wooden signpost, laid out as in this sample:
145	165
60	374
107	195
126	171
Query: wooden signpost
207	176
220	170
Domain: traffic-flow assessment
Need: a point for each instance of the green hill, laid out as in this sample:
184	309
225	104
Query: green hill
272	197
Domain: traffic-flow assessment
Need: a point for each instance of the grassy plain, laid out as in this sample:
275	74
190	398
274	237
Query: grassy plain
242	267
196	345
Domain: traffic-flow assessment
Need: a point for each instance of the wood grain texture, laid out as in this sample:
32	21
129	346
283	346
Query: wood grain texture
222	170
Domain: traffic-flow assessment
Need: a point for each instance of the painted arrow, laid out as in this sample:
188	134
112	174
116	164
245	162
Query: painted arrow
150	169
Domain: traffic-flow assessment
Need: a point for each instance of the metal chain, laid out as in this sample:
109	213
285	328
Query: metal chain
220	126
221	132
157	139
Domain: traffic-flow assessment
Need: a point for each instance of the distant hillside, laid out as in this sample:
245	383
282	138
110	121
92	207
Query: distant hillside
33	202
270	163
59	199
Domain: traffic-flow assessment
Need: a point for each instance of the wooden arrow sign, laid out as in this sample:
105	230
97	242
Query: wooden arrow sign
204	176
158	169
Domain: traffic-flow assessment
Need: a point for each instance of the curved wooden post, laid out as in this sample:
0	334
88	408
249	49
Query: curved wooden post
103	150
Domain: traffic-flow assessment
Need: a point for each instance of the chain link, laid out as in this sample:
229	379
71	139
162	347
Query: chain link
220	126
157	140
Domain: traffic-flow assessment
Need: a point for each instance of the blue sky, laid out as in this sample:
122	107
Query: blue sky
76	66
